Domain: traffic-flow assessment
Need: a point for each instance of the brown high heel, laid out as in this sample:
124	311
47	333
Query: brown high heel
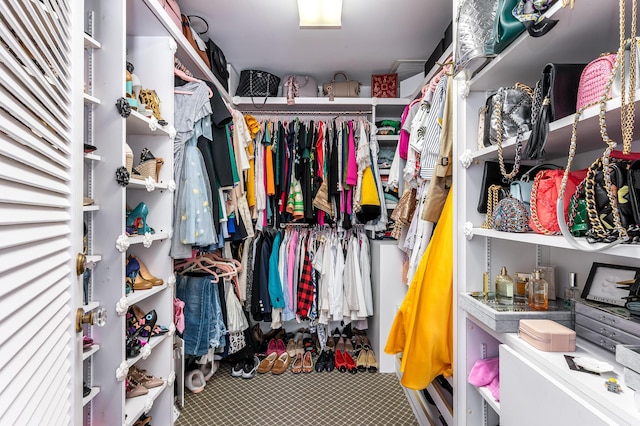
145	274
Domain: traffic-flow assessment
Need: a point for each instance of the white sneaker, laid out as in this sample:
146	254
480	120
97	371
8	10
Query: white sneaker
237	369
250	368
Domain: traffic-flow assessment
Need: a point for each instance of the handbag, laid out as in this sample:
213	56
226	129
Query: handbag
554	97
406	207
578	221
593	80
507	214
520	189
491	175
544	197
218	64
341	89
173	10
188	32
384	86
473	30
300	86
506	27
257	83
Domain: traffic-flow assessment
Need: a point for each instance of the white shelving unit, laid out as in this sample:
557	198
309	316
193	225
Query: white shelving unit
530	378
141	33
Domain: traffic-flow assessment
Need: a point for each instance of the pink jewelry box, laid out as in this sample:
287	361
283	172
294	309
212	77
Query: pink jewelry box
547	335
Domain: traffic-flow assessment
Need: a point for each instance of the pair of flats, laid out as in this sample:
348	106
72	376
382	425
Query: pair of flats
303	363
325	361
367	361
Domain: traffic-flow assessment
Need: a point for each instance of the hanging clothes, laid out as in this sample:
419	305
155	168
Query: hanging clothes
423	326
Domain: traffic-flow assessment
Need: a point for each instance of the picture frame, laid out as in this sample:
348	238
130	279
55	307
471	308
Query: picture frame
603	284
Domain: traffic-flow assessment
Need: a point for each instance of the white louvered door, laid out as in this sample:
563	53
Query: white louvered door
40	230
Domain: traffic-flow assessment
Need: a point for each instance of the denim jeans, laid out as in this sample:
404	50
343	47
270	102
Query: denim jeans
204	326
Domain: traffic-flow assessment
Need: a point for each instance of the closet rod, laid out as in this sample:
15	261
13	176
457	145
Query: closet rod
284	112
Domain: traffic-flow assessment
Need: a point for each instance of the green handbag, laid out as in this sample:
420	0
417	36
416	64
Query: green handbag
578	219
506	27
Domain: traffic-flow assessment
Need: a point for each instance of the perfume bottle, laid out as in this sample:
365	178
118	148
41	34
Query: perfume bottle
538	292
572	292
504	287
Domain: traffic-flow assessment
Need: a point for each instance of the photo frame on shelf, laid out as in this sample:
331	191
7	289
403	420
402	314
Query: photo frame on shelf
609	283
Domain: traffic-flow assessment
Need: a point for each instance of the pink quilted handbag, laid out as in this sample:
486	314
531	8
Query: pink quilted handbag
593	80
173	10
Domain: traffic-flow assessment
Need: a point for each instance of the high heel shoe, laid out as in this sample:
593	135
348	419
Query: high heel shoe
361	363
150	98
134	280
144	272
146	324
137	221
149	165
372	363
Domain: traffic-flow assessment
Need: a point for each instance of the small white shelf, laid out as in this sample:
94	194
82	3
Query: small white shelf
91	100
138	124
91	43
95	258
94	391
92	350
140	184
139	295
388	138
134	407
443	406
154	341
91	208
487	396
138	239
90	306
391	205
92	157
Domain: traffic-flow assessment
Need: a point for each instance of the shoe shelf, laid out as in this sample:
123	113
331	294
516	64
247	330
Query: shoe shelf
138	124
87	399
141	184
92	157
153	342
485	393
92	350
90	42
139	239
91	208
140	295
135	407
93	258
442	400
91	100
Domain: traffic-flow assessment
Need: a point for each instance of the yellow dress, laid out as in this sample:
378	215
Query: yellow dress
423	327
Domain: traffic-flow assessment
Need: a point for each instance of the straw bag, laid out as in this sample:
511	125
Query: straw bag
593	79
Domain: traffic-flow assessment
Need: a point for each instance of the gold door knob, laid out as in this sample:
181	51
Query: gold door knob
81	260
96	317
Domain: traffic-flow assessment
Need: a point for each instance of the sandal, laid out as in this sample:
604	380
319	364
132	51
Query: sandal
149	165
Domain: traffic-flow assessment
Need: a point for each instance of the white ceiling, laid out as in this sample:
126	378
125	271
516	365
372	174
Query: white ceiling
261	34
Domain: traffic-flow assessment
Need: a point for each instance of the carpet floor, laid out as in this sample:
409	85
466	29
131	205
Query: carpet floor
298	399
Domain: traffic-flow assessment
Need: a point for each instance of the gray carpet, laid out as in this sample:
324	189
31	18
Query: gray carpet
298	399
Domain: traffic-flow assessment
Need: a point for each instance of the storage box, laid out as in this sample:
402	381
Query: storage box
606	325
384	86
547	335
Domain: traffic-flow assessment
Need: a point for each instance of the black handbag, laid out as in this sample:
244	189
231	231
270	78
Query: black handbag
218	64
257	83
554	97
491	175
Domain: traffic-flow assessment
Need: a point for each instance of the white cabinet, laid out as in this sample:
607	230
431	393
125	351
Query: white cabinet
388	294
536	387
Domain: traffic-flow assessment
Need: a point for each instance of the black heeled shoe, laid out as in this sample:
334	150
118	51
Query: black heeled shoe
321	362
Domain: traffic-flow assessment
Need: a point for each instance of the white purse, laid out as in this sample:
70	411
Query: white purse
307	86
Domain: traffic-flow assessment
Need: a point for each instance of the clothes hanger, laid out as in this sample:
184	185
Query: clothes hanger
197	264
186	77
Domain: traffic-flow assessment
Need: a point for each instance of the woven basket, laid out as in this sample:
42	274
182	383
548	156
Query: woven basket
128	158
593	79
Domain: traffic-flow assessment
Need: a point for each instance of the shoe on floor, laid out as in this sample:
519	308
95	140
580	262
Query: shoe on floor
281	364
296	368
194	381
237	369
307	363
267	364
250	367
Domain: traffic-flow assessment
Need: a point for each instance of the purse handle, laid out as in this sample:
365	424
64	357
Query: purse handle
333	80
497	108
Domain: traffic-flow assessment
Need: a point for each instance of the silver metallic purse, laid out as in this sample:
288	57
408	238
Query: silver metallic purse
474	28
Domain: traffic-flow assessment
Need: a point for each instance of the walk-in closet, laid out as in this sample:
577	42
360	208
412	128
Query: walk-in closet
319	212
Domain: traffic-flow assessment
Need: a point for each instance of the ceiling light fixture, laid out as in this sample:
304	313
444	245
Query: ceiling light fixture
320	13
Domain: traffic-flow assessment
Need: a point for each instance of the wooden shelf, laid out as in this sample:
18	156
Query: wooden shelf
90	306
140	184
488	396
140	295
93	258
154	341
92	157
91	208
91	100
138	239
138	124
94	392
